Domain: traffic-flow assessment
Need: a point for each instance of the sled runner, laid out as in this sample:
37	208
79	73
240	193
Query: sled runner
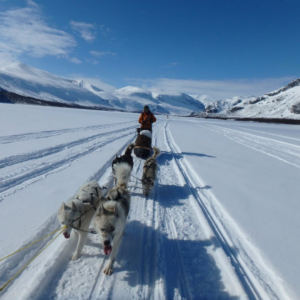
143	143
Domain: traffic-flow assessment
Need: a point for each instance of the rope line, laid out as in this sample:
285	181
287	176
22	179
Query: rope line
10	280
32	243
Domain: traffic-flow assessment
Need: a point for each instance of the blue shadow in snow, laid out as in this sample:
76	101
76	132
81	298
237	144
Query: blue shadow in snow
168	156
184	267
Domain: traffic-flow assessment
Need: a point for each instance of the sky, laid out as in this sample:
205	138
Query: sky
209	47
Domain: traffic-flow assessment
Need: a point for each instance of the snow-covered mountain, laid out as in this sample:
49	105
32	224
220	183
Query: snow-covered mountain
282	103
23	80
134	98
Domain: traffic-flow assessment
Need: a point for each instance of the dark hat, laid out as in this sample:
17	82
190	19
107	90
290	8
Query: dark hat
146	107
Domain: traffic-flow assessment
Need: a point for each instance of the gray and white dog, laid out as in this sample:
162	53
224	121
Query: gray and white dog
80	209
150	172
110	221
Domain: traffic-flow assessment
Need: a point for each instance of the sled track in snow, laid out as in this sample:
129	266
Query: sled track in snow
156	235
283	151
46	134
246	282
12	160
39	170
58	267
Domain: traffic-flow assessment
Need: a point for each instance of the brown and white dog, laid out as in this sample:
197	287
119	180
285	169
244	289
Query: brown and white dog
150	172
122	167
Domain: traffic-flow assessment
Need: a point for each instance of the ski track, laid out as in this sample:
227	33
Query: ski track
22	176
12	160
152	262
285	152
51	133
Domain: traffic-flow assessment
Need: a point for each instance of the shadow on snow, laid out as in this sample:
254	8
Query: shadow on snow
168	156
177	267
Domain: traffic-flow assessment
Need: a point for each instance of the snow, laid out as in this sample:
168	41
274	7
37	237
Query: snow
282	103
222	222
28	81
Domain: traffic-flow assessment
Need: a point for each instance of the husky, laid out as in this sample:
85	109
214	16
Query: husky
150	172
80	209
122	167
109	222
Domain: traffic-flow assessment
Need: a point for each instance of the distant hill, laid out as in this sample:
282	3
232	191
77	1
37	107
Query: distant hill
21	82
283	103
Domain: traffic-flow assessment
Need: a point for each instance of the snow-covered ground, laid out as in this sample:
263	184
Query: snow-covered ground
222	223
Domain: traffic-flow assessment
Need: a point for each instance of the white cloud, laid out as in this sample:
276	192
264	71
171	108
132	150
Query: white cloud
84	29
31	3
102	53
75	60
170	65
218	89
24	31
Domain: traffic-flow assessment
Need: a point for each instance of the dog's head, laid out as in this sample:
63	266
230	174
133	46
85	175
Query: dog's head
66	215
107	223
147	185
117	160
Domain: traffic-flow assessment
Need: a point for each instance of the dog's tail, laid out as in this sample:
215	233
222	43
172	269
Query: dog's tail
156	152
122	174
129	149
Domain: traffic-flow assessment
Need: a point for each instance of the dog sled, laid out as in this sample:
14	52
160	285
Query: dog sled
143	143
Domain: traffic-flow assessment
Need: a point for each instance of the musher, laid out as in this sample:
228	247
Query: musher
146	119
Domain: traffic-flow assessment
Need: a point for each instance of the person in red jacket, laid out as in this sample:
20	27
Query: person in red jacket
146	119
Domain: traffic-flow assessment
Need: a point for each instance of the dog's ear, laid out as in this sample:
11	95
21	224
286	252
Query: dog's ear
145	181
62	207
116	210
151	182
121	189
99	210
74	207
102	210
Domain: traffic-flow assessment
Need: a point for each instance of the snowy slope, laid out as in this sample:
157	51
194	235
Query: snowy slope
27	81
222	222
282	103
134	98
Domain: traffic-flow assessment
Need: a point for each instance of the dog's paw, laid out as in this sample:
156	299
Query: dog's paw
108	270
75	256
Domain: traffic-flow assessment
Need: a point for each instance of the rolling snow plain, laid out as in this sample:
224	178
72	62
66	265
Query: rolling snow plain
222	222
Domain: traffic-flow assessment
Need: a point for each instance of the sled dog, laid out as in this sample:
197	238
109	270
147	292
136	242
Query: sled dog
122	167
150	172
109	222
81	208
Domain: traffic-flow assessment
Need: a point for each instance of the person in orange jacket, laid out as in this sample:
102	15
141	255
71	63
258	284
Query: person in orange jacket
146	119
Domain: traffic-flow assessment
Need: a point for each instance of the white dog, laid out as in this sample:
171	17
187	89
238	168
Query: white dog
110	221
78	213
150	172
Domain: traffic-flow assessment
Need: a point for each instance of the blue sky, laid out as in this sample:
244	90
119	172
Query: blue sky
215	47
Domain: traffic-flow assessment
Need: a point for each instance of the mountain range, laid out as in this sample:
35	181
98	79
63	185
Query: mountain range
20	83
25	84
283	103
